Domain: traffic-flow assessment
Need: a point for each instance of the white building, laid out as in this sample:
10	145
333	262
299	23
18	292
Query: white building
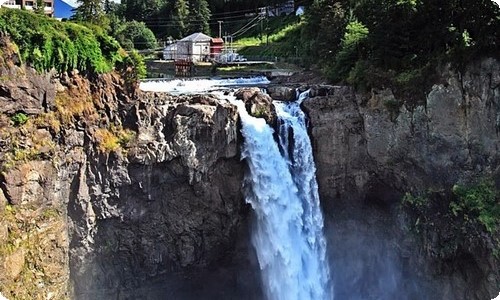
29	5
170	52
195	47
283	9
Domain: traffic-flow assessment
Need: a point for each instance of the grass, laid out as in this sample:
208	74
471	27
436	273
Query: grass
70	107
279	41
113	139
32	230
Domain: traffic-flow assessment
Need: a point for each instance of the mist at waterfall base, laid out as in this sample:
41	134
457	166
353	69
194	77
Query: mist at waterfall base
363	259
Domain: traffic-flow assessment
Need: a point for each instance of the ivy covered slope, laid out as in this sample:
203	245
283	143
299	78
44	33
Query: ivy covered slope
45	44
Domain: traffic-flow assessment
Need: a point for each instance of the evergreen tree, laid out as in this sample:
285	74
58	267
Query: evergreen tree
91	11
180	19
143	10
199	16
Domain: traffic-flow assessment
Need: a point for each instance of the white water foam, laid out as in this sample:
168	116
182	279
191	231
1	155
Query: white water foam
282	189
283	192
188	86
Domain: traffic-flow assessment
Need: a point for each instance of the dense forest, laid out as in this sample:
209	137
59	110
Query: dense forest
362	42
398	42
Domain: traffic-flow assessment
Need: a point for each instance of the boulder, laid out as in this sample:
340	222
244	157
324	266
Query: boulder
283	93
258	104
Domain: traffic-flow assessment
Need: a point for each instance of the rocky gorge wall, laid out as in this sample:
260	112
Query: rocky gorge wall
112	192
371	149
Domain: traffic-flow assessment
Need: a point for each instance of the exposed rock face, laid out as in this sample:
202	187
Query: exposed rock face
258	104
139	195
175	206
282	93
165	204
451	139
369	152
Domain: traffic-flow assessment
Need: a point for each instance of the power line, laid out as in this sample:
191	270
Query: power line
212	20
257	18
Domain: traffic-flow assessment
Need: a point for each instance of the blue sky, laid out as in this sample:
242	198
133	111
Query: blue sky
73	2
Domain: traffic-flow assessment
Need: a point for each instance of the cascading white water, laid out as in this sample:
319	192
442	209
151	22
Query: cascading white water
282	190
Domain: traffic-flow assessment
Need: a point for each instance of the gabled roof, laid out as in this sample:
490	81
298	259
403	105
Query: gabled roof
197	37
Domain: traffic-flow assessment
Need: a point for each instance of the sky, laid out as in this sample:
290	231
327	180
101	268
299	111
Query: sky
73	2
497	2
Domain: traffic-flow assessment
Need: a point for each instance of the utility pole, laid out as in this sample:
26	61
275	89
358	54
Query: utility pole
261	29
220	28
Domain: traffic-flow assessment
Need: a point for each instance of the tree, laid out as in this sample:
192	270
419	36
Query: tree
180	19
40	7
91	11
199	16
137	35
142	10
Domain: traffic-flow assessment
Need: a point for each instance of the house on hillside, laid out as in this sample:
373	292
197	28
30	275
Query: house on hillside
29	5
195	47
282	9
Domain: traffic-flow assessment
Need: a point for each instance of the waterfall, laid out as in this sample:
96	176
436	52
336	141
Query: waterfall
282	190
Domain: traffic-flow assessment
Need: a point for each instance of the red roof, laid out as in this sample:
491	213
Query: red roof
217	41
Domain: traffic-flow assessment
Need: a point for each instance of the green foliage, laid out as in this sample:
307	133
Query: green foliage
137	35
282	39
403	40
323	31
201	13
91	11
349	52
417	202
460	219
179	16
480	202
133	68
19	119
46	43
40	7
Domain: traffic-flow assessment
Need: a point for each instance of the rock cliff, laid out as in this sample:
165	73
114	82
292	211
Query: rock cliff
372	149
103	190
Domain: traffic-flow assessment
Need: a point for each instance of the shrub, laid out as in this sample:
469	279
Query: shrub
113	139
132	68
349	53
479	202
107	141
46	43
19	119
